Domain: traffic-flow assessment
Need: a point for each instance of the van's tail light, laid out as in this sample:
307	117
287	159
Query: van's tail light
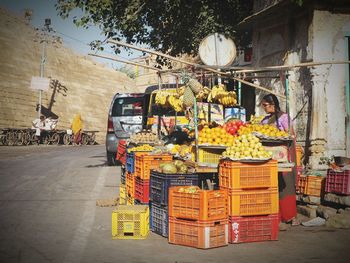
110	128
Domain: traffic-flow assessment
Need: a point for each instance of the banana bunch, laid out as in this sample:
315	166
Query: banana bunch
221	95
161	97
203	94
175	102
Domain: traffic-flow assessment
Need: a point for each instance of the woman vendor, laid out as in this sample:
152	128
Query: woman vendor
286	180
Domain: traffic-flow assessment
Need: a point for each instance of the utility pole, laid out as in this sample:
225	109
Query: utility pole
46	30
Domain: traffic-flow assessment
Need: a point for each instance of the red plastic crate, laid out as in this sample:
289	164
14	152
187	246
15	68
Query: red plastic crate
198	234
253	228
338	182
142	190
146	162
121	152
237	175
201	205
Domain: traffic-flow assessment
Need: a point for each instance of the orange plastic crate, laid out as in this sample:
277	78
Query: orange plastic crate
146	162
198	234
253	202
130	184
237	175
301	187
298	154
201	205
315	185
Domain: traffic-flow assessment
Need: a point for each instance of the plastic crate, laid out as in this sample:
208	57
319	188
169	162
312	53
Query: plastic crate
198	234
122	174
130	184
160	183
253	202
315	185
142	190
253	228
338	182
130	162
237	175
121	152
301	186
122	194
130	222
209	157
159	219
201	205
130	200
144	163
298	154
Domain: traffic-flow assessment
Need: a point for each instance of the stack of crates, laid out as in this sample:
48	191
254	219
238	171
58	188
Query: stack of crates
338	182
144	163
198	218
253	199
159	189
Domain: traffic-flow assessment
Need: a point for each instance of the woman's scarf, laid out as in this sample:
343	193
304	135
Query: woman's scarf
77	124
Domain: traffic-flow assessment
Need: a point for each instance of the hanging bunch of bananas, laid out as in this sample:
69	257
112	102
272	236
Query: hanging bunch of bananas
161	98
221	95
175	102
203	94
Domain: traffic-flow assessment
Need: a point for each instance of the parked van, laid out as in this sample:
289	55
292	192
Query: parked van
131	112
126	116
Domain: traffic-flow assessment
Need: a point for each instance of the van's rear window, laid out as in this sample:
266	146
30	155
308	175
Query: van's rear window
127	107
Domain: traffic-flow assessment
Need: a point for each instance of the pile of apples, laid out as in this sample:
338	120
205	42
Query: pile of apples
232	126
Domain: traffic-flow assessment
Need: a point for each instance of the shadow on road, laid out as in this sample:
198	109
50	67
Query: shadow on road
97	165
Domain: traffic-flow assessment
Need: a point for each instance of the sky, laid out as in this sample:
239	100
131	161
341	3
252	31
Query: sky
76	38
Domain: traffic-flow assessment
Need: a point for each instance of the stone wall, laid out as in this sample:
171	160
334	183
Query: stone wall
78	84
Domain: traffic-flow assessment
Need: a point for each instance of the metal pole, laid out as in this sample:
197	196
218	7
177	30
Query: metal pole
287	101
42	65
195	114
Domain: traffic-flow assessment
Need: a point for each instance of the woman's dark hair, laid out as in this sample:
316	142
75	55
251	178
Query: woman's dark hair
272	99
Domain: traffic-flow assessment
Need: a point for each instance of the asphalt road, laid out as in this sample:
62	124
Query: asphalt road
48	213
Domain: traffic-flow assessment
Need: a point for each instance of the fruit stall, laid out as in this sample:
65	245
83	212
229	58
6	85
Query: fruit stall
221	177
211	180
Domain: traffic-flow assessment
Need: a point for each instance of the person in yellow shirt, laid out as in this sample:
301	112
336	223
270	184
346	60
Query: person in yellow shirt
77	128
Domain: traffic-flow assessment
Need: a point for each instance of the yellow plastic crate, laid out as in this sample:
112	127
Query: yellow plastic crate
130	222
122	194
209	157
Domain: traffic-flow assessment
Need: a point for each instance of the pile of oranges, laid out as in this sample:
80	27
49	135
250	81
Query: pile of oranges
215	136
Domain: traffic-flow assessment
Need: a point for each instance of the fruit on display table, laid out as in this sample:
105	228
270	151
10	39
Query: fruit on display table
214	136
246	146
144	137
232	126
174	167
141	148
263	129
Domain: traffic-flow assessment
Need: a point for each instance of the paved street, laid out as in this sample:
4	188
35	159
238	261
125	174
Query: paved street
48	213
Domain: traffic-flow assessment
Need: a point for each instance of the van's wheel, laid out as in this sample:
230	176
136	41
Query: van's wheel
111	161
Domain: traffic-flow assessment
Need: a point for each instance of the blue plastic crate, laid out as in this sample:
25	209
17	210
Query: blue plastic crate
160	183
159	219
130	162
